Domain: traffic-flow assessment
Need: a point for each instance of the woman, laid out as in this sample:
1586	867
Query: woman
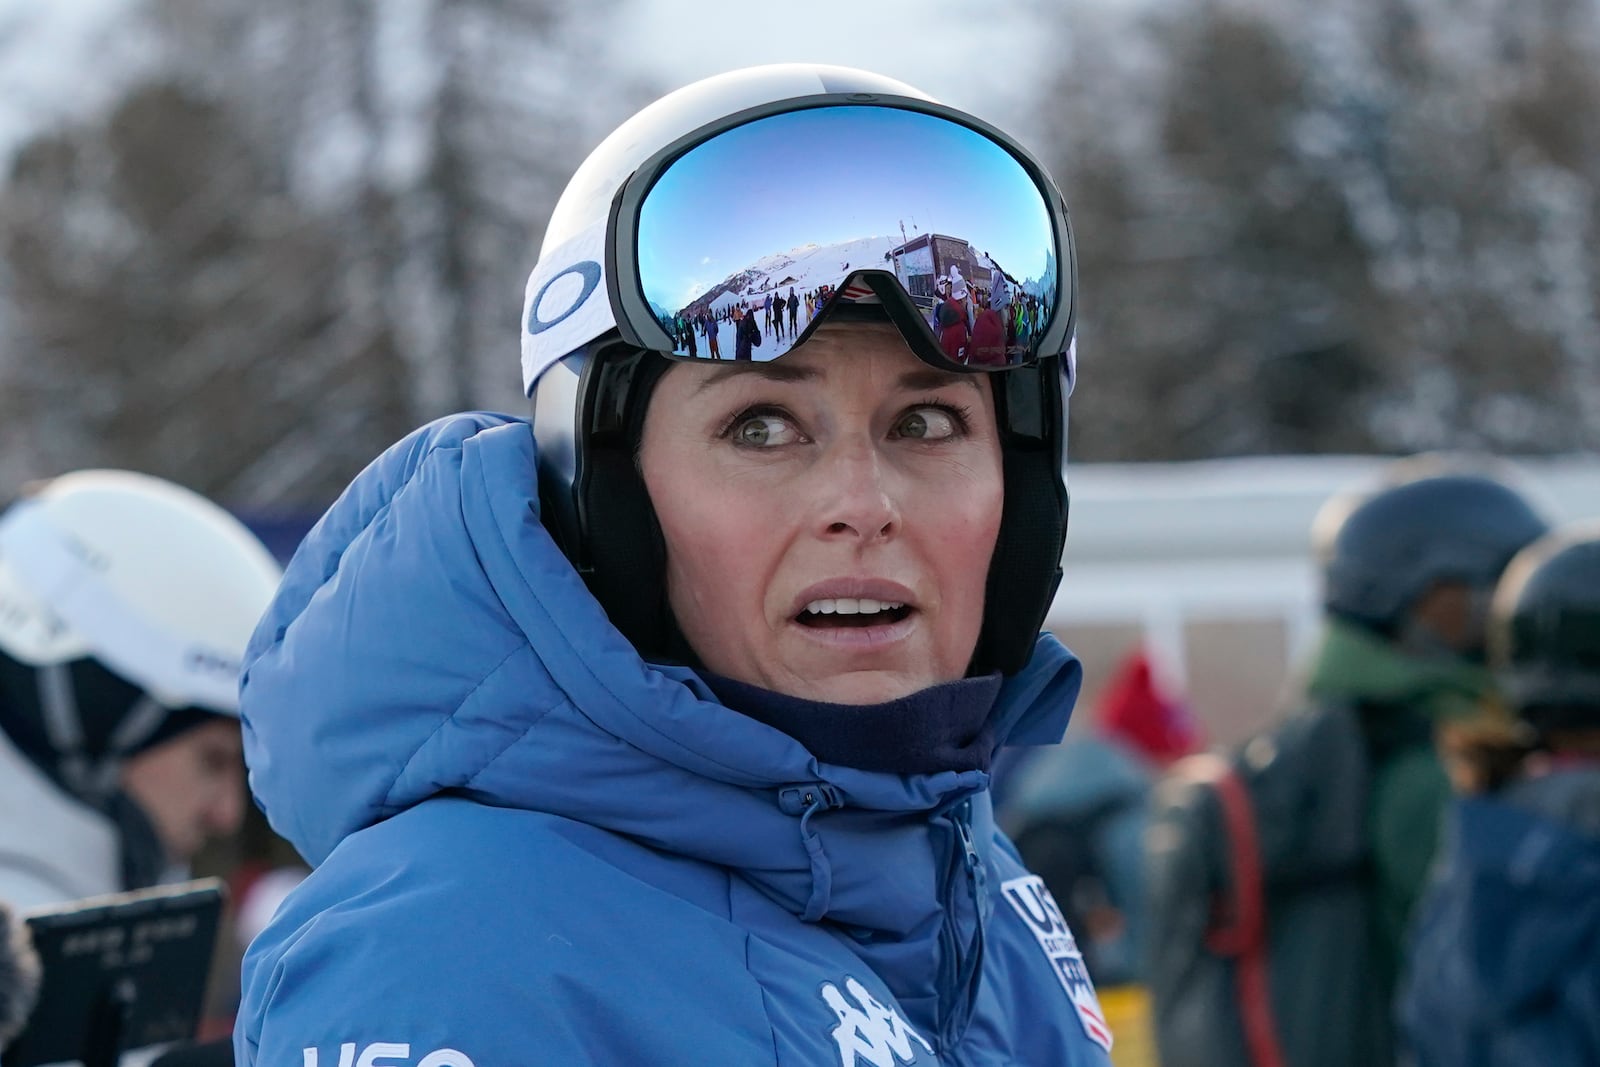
679	755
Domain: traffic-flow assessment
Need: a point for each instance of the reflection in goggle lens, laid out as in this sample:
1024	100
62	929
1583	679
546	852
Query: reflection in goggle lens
746	237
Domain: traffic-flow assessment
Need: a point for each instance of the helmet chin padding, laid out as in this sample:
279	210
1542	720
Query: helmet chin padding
610	532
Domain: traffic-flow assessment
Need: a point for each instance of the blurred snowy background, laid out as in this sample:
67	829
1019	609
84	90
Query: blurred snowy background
246	245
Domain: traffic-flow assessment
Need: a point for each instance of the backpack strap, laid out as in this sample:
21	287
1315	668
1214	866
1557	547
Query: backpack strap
1241	933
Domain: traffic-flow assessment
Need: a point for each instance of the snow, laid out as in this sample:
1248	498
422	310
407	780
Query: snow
811	266
802	269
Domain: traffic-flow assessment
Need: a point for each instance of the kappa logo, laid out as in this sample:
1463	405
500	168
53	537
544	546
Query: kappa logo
390	1054
1030	899
867	1031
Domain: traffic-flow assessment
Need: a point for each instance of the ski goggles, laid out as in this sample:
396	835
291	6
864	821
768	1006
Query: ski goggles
782	214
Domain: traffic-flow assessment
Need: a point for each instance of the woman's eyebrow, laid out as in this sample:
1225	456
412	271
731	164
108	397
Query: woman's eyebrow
775	372
933	378
922	378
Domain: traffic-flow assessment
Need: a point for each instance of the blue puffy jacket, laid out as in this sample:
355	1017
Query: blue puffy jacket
531	847
1505	959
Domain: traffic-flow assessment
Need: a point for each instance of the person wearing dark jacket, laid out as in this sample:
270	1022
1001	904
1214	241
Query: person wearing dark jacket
711	337
1078	812
950	323
1504	967
1346	794
746	334
678	752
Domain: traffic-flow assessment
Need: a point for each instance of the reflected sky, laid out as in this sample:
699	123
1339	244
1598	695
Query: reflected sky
827	175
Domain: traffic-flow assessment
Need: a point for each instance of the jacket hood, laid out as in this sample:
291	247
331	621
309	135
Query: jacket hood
430	637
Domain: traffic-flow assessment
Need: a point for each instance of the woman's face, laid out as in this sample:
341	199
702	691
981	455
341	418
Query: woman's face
829	517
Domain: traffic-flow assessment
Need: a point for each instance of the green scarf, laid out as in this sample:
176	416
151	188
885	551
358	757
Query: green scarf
1409	789
1356	666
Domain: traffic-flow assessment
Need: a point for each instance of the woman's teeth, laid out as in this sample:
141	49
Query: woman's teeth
851	606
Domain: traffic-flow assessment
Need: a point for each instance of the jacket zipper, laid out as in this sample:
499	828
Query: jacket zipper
959	972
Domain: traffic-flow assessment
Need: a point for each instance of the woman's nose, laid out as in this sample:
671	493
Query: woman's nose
858	500
226	812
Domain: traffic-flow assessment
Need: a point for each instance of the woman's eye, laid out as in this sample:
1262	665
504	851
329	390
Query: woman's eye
764	431
928	424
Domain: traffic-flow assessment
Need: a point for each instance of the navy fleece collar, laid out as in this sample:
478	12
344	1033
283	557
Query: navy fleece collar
942	728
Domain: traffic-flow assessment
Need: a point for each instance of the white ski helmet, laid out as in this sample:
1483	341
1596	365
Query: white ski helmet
822	164
154	581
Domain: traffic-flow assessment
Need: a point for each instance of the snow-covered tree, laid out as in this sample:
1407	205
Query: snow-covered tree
1333	226
301	230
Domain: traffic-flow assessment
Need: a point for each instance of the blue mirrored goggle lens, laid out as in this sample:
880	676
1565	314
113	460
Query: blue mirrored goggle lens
746	237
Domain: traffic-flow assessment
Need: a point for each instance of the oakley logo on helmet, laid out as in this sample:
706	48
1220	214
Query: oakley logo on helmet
588	270
561	314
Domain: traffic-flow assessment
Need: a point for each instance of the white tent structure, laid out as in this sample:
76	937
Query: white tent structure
1208	565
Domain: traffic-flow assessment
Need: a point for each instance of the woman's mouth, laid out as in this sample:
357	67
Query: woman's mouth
851	612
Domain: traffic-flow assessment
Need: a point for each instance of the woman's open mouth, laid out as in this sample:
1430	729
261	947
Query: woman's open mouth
851	612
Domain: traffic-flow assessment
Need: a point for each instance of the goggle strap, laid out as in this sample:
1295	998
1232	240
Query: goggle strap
566	303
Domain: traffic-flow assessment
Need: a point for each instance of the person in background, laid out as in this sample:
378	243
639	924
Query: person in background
950	322
1078	813
125	605
1504	964
1342	800
678	753
711	337
999	291
988	345
746	333
19	977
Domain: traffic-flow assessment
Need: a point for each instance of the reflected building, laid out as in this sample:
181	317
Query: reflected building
923	260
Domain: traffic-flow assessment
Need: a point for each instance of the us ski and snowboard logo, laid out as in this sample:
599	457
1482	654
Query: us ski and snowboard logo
868	1032
387	1054
1030	899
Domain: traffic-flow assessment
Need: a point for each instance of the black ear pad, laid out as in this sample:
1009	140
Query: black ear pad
626	553
622	556
1026	567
